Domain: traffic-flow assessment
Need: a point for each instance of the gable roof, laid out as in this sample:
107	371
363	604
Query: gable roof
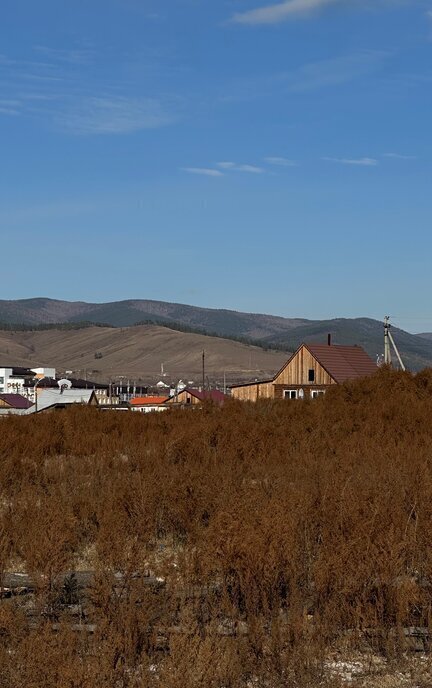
148	401
55	397
213	394
343	362
16	401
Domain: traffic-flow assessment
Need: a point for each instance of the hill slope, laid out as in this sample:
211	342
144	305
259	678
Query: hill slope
416	350
138	352
286	333
126	313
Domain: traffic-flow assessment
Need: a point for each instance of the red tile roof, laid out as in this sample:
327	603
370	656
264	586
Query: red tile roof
16	401
343	362
148	401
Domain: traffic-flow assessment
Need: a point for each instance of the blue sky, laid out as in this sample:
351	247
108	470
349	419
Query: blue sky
240	154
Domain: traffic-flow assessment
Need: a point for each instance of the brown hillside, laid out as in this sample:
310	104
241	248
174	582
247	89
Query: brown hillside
137	352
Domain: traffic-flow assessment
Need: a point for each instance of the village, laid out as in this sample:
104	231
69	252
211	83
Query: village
308	373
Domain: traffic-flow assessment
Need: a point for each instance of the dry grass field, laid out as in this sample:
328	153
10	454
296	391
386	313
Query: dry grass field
138	352
276	545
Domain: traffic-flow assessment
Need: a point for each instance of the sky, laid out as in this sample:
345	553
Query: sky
245	154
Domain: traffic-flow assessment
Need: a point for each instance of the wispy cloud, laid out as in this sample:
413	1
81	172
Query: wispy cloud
10	107
58	88
297	9
77	56
112	115
205	171
309	77
273	14
235	167
399	156
281	162
361	162
334	71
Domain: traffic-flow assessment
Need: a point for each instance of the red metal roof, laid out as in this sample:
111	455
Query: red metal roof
343	362
148	401
16	401
213	394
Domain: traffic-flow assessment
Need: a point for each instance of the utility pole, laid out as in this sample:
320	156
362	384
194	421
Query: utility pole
387	351
203	370
35	392
388	339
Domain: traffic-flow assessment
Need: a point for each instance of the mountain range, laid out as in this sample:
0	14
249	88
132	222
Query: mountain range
285	334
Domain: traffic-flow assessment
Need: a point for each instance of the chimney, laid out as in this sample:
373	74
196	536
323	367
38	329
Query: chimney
329	339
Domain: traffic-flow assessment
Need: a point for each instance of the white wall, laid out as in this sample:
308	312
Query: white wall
47	372
10	385
4	377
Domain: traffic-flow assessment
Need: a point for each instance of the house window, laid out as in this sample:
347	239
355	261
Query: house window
311	377
1	380
317	393
290	394
188	400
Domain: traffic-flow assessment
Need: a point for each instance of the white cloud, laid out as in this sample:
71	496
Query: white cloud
273	14
205	171
281	162
112	115
55	91
399	156
226	165
312	76
10	107
362	162
77	56
8	111
300	9
252	169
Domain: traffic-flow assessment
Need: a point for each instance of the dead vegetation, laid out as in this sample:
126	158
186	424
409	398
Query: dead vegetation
253	546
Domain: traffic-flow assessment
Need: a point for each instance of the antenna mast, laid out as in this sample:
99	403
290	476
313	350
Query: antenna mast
388	339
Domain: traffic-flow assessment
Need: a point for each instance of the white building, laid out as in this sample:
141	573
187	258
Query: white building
12	380
49	398
15	379
44	372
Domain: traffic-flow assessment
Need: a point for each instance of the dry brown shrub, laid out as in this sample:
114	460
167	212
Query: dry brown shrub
281	531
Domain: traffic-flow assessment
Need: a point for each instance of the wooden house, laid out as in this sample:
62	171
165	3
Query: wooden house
311	370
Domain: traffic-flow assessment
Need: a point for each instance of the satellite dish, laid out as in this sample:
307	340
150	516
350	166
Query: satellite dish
64	384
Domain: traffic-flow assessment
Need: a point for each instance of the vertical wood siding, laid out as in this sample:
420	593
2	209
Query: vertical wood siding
296	372
253	392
